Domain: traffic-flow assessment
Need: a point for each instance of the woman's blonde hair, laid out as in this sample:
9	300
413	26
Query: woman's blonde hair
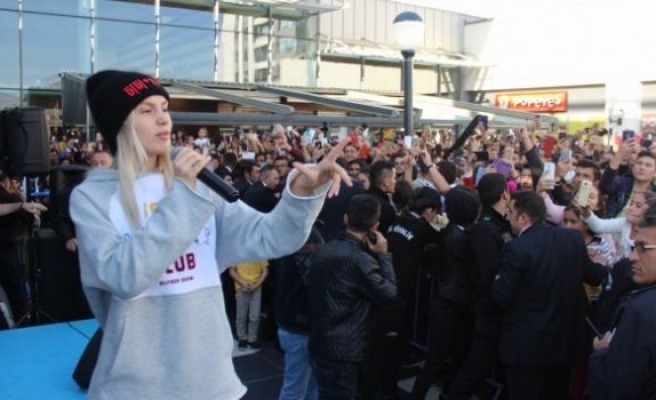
131	160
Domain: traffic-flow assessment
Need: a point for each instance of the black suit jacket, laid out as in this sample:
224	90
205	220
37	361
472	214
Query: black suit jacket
260	197
626	370
540	288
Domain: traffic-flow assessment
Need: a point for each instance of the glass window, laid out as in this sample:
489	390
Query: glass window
9	73
201	19
125	45
125	10
52	45
10	4
227	56
287	46
260	75
261	54
186	53
65	7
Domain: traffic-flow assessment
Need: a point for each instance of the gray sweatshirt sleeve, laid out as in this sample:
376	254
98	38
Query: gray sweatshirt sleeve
244	234
127	266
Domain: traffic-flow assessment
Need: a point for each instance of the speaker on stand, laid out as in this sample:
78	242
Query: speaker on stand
24	140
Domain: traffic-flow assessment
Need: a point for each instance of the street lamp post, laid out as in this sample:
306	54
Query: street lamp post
409	33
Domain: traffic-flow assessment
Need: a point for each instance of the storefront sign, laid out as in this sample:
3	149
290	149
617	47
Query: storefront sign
648	122
533	102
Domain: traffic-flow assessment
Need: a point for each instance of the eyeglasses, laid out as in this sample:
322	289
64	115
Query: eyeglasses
642	247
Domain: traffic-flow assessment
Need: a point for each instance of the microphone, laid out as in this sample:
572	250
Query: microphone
213	181
460	141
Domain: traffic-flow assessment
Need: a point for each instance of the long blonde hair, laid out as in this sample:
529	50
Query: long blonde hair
131	160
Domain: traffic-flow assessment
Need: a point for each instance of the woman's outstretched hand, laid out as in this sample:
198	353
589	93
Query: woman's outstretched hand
311	177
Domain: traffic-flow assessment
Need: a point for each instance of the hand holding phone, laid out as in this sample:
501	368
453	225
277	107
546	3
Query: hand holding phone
628	134
549	170
508	153
377	242
484	120
583	195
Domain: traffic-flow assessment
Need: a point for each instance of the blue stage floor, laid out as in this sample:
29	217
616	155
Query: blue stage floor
37	363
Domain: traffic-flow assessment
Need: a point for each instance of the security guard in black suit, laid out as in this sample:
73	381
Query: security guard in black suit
489	235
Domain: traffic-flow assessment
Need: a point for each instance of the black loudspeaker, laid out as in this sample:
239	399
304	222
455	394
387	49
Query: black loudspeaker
62	182
59	289
25	140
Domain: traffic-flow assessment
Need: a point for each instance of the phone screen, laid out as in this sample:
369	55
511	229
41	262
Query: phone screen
550	170
548	145
482	156
565	155
628	134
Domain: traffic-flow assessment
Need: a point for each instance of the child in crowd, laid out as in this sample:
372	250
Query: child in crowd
597	245
248	295
638	204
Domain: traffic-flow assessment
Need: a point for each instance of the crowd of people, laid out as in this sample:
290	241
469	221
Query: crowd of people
537	246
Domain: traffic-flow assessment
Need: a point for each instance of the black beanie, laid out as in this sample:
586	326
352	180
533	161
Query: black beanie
462	206
112	95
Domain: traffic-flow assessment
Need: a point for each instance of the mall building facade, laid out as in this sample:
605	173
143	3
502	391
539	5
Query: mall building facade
304	43
514	60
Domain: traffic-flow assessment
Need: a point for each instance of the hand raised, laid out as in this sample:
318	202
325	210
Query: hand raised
313	176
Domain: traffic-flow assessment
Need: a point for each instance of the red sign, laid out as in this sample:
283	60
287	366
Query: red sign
533	102
648	122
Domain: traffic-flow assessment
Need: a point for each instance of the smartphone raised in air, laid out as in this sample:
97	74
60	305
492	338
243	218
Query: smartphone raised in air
583	195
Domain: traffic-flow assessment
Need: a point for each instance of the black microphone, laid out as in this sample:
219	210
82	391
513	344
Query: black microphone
213	181
460	141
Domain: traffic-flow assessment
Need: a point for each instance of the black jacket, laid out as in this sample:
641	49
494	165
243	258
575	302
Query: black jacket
488	236
540	289
627	370
618	188
10	224
291	286
334	208
387	212
344	280
410	239
455	276
260	197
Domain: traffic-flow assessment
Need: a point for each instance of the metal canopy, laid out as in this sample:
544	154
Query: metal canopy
232	98
350	105
204	118
489	109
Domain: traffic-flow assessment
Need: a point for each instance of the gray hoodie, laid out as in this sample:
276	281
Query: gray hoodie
156	290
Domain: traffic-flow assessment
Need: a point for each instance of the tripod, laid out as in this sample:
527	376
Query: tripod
35	315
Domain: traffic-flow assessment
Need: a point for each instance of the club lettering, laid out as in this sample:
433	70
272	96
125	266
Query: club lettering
186	262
